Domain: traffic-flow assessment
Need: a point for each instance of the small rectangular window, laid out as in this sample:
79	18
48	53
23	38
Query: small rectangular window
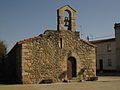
109	47
60	42
109	62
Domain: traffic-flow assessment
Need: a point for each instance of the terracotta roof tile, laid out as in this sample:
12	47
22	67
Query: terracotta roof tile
38	37
28	40
89	43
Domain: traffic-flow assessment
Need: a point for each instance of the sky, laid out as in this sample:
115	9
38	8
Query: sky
21	19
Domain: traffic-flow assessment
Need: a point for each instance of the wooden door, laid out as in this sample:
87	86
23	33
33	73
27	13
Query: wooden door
69	69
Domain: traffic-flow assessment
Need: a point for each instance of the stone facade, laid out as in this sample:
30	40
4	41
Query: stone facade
56	55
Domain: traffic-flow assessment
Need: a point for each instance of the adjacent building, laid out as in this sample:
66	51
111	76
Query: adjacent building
108	52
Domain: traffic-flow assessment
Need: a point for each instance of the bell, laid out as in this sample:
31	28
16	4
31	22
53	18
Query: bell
66	21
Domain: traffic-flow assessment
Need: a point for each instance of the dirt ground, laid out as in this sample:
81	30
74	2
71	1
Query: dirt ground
104	83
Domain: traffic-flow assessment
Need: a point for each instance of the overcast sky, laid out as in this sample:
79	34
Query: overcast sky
21	19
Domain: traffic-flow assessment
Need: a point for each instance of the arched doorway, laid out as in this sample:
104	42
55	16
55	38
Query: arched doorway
71	67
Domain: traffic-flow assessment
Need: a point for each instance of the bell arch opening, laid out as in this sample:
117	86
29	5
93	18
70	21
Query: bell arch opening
67	20
71	67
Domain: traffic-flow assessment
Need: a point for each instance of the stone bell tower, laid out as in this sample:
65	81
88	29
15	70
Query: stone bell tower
70	21
117	35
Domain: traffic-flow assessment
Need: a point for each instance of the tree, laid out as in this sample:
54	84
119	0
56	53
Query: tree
3	50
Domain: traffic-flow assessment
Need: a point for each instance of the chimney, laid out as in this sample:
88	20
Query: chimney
117	39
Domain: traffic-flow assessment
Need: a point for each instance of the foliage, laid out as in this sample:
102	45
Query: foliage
3	50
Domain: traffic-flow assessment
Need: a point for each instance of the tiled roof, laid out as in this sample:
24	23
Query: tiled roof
89	43
38	37
28	40
104	40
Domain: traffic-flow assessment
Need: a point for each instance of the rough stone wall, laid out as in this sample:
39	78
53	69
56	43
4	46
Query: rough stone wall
45	58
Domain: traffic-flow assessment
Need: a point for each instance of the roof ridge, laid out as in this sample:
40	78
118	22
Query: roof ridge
67	6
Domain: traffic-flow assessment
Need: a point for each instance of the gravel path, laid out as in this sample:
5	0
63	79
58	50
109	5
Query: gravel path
104	83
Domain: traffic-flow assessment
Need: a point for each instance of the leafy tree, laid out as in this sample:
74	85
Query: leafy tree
3	50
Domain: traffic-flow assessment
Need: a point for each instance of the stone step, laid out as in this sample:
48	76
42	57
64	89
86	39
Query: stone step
74	80
71	80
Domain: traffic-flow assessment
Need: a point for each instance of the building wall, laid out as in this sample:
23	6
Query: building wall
108	55
13	65
46	57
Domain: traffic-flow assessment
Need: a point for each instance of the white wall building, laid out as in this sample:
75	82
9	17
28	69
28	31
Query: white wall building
108	52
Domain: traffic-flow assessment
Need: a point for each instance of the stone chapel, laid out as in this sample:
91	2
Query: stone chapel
56	55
